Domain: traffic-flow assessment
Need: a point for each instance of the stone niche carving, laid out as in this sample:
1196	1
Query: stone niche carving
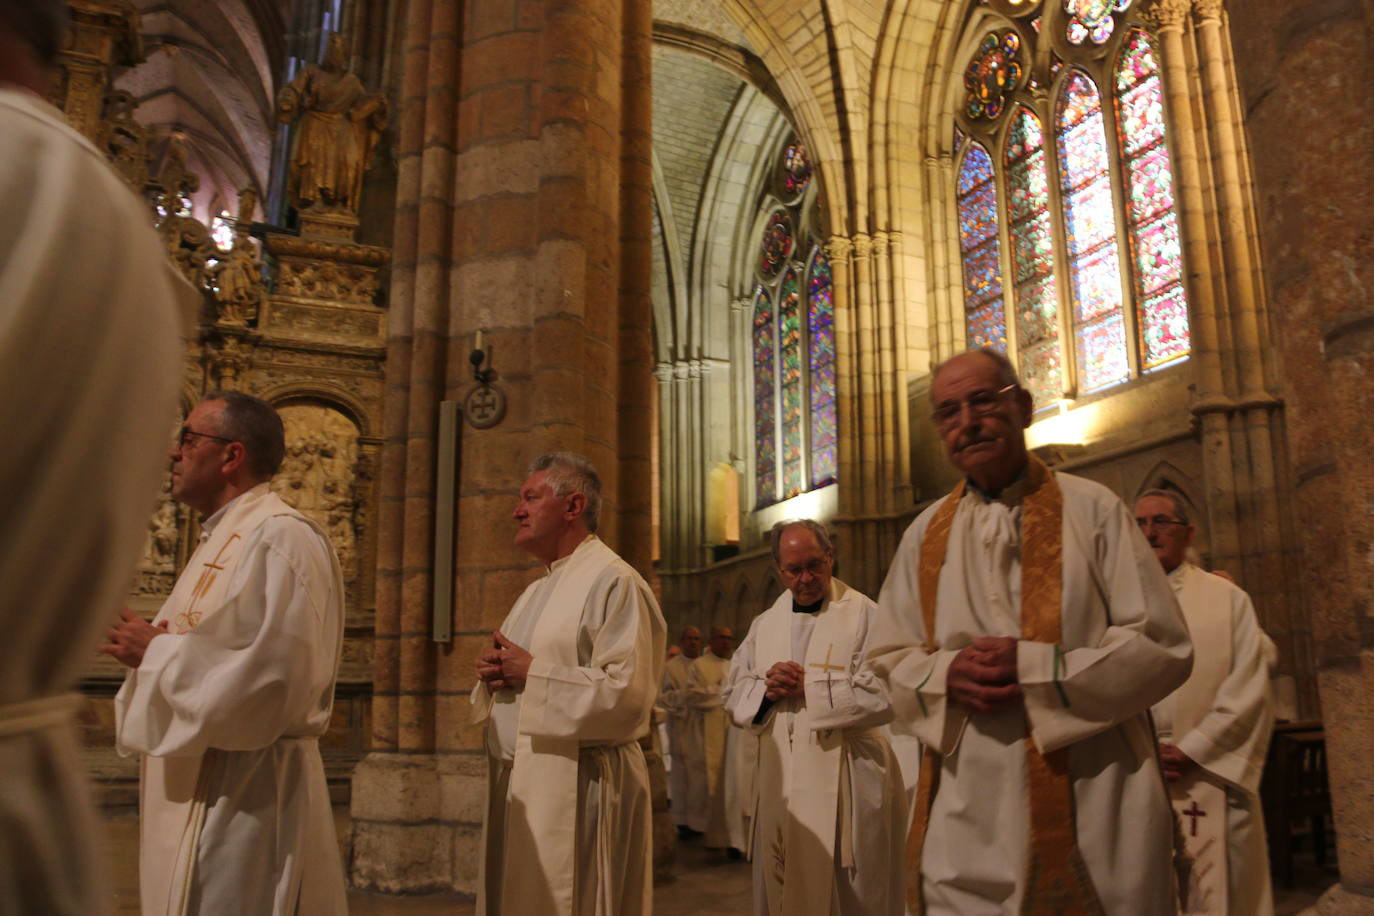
157	567
319	475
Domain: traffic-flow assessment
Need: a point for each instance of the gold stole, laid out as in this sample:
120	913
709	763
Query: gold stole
1057	880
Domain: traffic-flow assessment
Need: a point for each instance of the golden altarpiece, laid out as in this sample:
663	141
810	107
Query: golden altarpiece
311	342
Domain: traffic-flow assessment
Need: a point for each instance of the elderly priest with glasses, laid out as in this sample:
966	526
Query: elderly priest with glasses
828	830
230	688
1024	630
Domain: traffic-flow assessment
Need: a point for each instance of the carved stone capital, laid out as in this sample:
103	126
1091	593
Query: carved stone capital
1166	15
1209	11
863	246
838	248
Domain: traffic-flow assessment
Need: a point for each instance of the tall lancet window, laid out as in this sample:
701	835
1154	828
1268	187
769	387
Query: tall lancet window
1072	260
792	335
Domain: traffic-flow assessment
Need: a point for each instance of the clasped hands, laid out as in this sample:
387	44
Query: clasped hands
128	639
505	665
783	680
1174	762
983	675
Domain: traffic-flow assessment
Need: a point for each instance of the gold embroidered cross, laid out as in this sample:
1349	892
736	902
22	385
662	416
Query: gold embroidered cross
826	666
207	578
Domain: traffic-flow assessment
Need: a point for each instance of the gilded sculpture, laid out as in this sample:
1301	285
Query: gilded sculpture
236	277
339	122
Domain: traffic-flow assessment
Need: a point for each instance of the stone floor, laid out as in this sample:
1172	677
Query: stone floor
707	883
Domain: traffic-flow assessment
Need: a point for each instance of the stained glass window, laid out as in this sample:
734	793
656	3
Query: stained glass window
1069	236
1090	231
765	411
820	327
790	371
1091	20
993	74
776	245
1032	250
793	339
796	168
222	231
985	318
1155	246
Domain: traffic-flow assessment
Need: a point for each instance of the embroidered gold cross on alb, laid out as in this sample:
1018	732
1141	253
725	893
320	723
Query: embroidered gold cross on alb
188	619
826	666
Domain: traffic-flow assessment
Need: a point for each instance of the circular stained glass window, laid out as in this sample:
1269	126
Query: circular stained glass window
1091	20
993	74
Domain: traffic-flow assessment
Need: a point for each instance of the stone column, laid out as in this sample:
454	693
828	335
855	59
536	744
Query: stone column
1304	68
521	211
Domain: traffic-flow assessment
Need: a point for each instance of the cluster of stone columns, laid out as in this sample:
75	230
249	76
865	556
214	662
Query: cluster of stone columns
522	210
1304	68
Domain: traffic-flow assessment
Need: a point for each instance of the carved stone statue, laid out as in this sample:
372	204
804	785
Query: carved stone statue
190	244
123	140
236	278
340	122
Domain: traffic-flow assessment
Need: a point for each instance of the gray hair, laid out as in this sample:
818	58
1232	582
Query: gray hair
1175	498
1006	369
822	536
571	473
257	425
39	24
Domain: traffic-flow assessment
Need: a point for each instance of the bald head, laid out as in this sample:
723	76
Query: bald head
690	641
722	642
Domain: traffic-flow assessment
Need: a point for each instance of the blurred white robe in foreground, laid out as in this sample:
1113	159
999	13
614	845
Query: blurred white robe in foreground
91	317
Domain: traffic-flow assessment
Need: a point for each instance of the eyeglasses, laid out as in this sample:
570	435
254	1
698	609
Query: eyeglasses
1158	521
815	568
184	437
980	403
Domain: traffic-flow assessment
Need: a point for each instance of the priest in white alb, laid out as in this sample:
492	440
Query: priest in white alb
831	813
230	688
1024	630
684	743
565	691
91	317
705	681
1214	730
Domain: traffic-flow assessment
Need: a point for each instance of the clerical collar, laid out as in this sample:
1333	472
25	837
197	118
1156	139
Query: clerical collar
562	561
1010	494
806	608
207	525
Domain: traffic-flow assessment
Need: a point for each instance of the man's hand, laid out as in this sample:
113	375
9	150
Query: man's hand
129	638
505	665
783	680
1175	763
983	675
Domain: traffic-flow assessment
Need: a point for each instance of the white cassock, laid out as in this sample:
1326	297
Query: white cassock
705	680
830	823
672	698
1222	718
227	710
567	827
1123	647
90	365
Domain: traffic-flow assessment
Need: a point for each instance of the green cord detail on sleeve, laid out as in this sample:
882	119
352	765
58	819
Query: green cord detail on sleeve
1058	667
920	699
